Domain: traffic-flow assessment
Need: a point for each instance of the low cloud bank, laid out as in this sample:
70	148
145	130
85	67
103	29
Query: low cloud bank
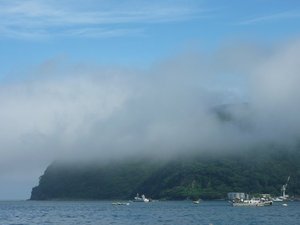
82	111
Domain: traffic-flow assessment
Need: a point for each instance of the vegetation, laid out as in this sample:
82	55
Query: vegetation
261	170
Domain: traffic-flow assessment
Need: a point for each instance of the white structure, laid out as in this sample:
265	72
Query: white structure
283	189
284	196
137	198
237	195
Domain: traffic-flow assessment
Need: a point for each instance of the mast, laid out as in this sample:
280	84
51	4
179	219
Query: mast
283	189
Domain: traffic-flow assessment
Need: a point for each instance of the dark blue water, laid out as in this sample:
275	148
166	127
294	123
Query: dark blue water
102	212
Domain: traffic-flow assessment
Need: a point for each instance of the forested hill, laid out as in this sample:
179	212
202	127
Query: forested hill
260	170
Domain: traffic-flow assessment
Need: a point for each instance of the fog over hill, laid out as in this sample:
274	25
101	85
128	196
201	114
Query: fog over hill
81	111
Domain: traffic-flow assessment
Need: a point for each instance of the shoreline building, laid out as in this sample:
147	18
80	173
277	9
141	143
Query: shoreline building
237	195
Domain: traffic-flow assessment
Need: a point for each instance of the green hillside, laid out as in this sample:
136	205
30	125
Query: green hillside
206	176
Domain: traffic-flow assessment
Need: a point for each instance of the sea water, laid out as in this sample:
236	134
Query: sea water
161	212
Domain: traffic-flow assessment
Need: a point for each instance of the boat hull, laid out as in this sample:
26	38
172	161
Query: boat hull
253	202
237	204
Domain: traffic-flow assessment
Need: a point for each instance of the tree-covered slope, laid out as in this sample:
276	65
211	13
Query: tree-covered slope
91	181
208	176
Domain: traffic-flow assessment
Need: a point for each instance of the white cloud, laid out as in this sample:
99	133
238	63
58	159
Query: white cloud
273	17
29	18
95	112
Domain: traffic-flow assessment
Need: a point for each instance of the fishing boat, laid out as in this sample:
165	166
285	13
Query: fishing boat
251	202
267	202
197	201
137	198
277	199
284	196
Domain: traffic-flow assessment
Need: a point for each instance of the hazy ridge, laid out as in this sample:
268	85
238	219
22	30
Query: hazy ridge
205	176
259	168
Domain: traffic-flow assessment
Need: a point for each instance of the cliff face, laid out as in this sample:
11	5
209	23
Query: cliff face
208	177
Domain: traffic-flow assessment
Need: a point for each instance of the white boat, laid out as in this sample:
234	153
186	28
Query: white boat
267	202
252	202
137	198
277	199
197	201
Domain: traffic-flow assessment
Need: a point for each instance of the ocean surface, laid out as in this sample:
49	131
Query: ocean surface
184	212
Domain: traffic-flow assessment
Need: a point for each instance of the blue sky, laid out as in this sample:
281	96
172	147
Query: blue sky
43	118
134	32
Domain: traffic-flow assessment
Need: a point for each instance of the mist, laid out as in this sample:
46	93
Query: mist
60	110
